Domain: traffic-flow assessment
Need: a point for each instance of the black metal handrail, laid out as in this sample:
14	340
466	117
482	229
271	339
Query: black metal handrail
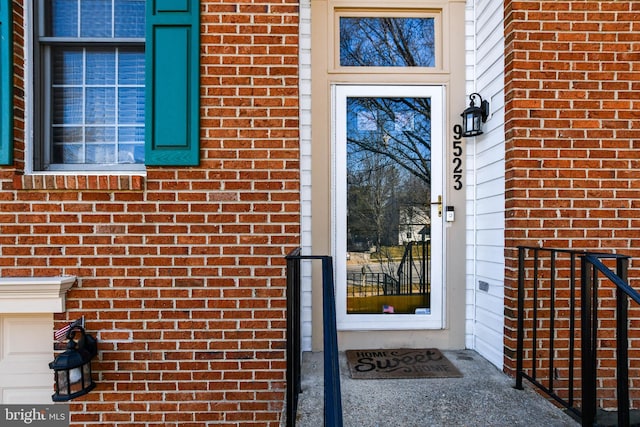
548	268
332	394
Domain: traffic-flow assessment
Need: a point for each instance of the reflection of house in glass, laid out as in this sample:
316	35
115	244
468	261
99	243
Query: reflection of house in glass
414	224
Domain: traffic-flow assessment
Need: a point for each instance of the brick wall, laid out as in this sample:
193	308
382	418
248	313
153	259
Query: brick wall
573	143
180	273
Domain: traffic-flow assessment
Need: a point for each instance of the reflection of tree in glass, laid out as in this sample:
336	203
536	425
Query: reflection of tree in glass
397	128
372	203
388	166
386	42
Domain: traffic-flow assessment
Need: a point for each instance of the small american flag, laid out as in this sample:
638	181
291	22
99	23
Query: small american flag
387	308
62	332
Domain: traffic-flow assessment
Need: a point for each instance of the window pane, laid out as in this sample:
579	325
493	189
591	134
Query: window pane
67	67
131	105
101	153
100	134
63	18
129	16
101	67
131	144
100	105
67	106
387	42
131	134
95	18
67	134
131	67
67	153
131	153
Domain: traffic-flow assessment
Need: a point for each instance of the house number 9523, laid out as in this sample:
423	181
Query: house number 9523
457	157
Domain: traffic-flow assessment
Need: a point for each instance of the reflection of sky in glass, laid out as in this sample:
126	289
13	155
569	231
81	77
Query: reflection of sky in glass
387	42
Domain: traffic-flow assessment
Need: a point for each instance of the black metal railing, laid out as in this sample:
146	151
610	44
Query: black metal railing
559	317
332	394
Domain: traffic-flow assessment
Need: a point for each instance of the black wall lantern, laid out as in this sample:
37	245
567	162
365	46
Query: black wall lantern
72	369
473	117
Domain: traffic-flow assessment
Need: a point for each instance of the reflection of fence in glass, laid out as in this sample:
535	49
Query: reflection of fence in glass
387	42
405	288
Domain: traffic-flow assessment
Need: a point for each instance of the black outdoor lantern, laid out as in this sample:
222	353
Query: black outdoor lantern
473	117
72	369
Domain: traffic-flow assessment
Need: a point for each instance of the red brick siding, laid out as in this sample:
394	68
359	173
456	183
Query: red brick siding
181	274
572	127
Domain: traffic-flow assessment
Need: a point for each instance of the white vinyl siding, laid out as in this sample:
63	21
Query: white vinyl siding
305	166
485	177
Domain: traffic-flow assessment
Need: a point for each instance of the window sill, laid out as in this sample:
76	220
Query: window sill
34	294
79	181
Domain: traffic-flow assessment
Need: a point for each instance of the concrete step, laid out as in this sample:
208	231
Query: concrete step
484	396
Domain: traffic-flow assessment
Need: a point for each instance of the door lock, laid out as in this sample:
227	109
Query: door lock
439	203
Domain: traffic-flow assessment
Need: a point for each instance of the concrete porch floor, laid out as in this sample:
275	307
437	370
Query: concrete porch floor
484	396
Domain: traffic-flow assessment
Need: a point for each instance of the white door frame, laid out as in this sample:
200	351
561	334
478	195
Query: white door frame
434	320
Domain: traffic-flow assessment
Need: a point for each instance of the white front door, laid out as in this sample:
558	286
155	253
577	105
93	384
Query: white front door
387	207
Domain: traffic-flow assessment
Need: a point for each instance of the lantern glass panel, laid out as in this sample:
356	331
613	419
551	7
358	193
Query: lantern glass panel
469	122
62	382
86	370
75	376
477	125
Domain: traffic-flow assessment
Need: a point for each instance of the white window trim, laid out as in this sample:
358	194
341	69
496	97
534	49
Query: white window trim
34	294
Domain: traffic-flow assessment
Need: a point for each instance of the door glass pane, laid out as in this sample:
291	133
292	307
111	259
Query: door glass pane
387	42
388	205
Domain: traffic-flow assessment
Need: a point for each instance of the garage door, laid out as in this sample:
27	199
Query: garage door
26	348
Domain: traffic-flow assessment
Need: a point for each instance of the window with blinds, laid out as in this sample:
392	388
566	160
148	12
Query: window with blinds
92	84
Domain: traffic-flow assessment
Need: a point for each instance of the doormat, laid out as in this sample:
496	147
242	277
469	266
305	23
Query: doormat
400	363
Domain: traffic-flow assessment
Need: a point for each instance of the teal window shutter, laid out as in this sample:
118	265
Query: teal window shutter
6	84
172	110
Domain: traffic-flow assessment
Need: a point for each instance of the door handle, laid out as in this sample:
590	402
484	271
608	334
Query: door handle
439	203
